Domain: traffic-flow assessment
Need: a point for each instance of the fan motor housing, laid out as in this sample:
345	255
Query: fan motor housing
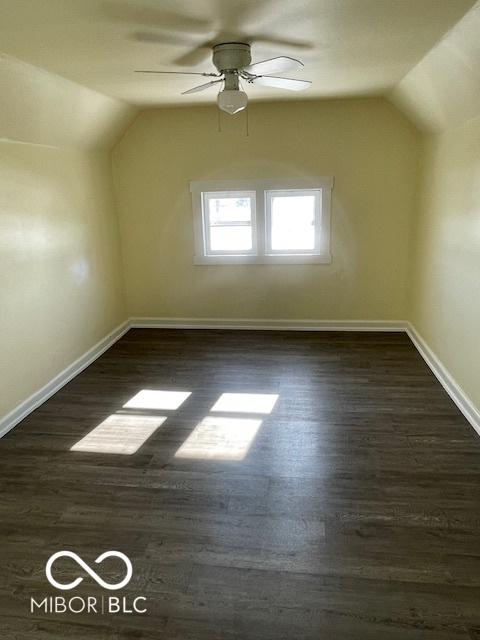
231	55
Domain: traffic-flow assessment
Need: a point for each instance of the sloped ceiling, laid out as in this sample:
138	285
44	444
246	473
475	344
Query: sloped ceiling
424	55
443	89
41	108
349	47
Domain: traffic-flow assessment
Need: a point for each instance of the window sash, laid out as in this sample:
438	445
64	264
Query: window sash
207	224
317	224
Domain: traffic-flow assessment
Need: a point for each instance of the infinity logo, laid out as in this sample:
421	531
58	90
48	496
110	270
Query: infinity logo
85	567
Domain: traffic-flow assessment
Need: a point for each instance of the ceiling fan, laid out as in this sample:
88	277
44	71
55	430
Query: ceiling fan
233	62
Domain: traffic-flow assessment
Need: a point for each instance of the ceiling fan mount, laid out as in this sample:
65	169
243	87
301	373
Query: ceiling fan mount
233	63
231	56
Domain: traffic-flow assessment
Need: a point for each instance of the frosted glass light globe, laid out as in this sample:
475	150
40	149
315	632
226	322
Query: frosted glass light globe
232	101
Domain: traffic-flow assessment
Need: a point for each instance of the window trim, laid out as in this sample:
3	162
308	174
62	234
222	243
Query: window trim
259	229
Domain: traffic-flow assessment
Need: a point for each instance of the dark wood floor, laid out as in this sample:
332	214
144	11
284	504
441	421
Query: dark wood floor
355	513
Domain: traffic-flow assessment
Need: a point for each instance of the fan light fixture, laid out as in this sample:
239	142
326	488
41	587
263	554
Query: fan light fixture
232	100
233	63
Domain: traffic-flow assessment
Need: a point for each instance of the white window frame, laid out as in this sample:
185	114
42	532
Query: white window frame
289	193
210	195
261	254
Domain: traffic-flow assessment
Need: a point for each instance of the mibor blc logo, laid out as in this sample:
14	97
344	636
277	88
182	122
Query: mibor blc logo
89	604
85	567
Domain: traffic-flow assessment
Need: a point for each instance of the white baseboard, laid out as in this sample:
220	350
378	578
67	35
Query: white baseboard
268	324
453	389
451	386
39	397
20	412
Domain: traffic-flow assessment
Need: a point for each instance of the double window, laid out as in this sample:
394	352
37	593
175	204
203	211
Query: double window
262	221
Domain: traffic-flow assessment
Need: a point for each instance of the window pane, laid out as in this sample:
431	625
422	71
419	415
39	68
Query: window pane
227	210
231	238
293	223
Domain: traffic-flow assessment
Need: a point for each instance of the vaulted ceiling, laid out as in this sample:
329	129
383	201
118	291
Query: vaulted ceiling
349	47
443	89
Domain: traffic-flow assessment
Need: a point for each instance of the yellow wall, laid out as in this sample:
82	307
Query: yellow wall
60	268
366	144
61	284
445	305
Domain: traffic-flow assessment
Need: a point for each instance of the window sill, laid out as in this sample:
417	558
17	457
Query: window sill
274	259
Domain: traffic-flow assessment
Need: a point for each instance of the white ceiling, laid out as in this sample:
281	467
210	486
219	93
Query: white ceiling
349	47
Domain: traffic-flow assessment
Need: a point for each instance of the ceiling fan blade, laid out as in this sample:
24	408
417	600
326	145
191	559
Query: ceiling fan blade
180	73
281	42
283	83
202	87
200	54
152	17
161	37
274	65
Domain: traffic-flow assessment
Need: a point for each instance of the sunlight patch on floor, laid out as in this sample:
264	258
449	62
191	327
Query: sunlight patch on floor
122	434
219	438
157	399
246	403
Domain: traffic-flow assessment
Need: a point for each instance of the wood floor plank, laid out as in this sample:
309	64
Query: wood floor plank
353	511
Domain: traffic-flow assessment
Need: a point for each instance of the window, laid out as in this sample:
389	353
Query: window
261	222
293	221
228	220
